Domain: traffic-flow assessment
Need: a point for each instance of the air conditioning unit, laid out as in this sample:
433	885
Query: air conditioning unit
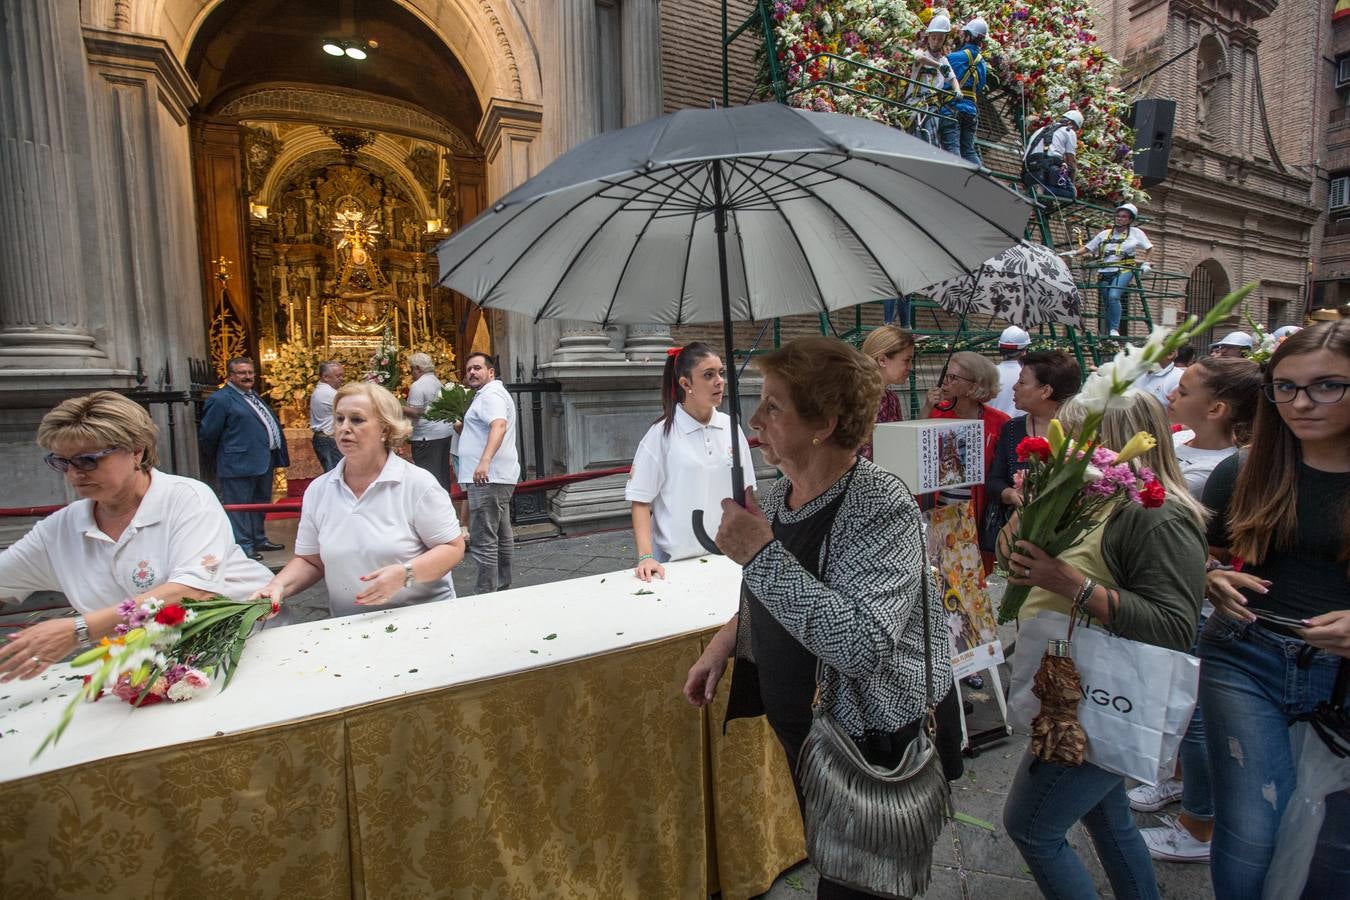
1338	197
1343	71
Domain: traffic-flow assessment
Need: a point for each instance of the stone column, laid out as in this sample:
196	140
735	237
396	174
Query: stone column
576	102
45	269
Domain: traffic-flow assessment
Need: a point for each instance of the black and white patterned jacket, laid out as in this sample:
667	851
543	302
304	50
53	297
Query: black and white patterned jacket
860	621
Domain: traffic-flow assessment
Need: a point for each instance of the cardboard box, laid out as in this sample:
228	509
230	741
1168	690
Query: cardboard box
931	455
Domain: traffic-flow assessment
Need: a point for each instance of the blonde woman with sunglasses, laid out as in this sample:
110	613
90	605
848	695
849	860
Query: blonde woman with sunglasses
134	532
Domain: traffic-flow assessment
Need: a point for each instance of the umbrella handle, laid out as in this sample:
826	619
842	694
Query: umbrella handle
702	534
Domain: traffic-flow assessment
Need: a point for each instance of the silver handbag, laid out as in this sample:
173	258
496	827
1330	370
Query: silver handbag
868	828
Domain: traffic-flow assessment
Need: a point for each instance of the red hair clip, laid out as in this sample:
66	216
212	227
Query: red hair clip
674	351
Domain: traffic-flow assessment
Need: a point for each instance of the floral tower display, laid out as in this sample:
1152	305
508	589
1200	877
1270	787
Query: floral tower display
1046	51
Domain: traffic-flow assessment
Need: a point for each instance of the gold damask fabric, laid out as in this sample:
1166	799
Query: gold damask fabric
590	779
263	814
756	823
578	781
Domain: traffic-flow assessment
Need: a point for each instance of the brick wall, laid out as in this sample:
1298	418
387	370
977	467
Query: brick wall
691	53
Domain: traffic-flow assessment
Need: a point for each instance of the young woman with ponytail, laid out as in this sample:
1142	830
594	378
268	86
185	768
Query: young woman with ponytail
684	461
1271	652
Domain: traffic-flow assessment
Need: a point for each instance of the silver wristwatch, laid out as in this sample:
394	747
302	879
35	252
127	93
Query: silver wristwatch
82	633
409	579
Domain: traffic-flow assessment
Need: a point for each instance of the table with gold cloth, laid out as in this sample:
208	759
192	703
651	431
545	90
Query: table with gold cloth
531	743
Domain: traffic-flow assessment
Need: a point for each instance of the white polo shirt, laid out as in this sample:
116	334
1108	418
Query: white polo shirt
685	470
180	533
1008	372
491	402
420	394
403	514
1161	383
321	408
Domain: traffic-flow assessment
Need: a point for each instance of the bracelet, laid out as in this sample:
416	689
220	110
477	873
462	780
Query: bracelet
645	556
409	579
82	633
1084	594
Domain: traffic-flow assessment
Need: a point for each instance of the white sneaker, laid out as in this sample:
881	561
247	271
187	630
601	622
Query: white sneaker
1171	841
1148	798
1114	333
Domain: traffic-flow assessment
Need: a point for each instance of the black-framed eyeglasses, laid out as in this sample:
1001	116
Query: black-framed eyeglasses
1318	391
85	462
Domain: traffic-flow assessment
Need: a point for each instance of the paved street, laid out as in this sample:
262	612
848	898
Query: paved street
971	862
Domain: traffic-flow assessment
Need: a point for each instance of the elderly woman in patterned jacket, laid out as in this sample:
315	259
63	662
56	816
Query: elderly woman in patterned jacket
833	555
134	532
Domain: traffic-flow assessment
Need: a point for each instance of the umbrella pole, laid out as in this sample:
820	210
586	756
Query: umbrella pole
728	341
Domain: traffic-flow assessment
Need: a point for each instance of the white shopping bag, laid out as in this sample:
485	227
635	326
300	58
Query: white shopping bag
1137	698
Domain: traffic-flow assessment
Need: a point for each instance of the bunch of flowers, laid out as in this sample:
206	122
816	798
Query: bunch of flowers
165	651
292	375
1046	49
1070	479
383	368
450	404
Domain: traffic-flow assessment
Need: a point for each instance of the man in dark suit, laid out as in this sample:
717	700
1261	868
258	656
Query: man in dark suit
244	437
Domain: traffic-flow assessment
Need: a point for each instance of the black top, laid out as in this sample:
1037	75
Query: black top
1307	580
1005	464
787	670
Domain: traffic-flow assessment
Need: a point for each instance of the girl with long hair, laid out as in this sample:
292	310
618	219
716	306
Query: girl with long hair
1272	652
1216	402
684	461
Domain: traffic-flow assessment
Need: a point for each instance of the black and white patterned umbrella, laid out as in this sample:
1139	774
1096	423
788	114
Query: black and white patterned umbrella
1027	285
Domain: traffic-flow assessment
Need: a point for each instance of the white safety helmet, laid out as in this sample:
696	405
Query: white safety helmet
1129	208
1235	339
1013	338
1284	331
976	27
940	25
1075	117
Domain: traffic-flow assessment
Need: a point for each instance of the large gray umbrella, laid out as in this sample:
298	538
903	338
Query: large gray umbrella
731	214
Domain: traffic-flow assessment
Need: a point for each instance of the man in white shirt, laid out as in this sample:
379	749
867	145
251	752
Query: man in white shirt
1051	157
321	414
1163	382
1012	346
489	467
430	440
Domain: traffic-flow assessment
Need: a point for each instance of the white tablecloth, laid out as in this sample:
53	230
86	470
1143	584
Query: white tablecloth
300	671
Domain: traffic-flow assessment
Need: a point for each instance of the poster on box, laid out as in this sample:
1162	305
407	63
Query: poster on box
950	456
954	551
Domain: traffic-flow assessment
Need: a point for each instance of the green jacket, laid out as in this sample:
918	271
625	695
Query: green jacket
1160	553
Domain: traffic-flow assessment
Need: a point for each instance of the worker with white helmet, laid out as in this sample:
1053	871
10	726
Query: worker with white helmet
1012	346
1051	157
1121	253
956	131
1235	344
931	74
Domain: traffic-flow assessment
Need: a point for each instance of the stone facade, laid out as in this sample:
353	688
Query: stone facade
1330	45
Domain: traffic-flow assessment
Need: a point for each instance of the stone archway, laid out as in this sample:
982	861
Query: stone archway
1208	283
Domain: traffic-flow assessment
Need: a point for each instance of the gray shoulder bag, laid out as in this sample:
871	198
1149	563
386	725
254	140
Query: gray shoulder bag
868	828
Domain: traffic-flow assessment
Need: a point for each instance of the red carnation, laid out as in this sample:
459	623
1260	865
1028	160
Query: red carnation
1028	447
171	615
1152	494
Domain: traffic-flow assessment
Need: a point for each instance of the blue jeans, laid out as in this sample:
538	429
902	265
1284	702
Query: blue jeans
1251	686
959	137
1044	802
890	307
1197	792
1111	290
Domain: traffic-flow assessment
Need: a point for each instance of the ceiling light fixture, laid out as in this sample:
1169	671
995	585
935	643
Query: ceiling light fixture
331	48
356	53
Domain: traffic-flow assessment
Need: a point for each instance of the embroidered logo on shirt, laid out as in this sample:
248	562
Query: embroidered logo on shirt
210	564
143	576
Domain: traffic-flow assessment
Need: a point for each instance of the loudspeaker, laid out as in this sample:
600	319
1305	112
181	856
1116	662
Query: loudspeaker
1152	121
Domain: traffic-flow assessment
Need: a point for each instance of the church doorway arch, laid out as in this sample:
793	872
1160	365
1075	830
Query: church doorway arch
1208	283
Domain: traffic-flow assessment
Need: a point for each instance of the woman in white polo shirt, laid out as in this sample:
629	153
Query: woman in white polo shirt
378	530
683	462
135	532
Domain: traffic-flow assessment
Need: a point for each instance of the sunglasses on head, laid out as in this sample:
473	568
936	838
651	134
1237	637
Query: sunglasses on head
85	462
